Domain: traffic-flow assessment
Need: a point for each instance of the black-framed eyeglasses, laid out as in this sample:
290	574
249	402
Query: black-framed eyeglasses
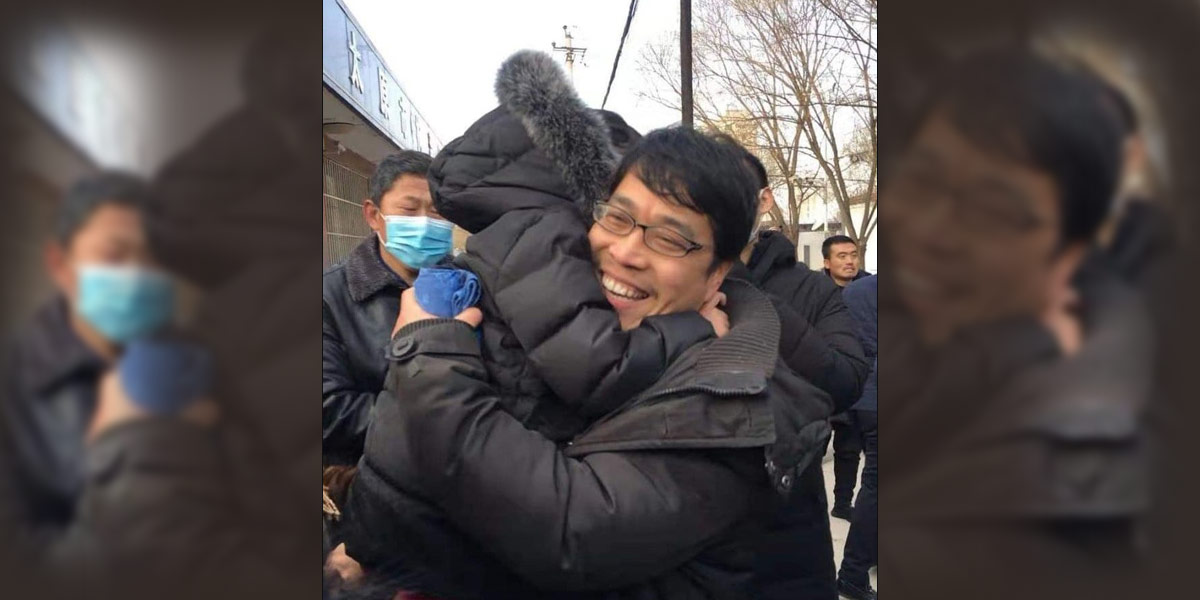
662	240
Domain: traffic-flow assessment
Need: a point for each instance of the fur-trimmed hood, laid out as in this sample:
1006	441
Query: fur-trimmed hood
535	90
541	146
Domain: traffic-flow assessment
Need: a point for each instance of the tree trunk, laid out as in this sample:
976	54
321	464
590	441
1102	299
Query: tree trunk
790	229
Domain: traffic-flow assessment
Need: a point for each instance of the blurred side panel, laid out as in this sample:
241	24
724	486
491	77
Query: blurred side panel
954	519
213	106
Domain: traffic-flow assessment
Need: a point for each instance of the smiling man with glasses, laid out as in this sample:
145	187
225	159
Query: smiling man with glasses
688	235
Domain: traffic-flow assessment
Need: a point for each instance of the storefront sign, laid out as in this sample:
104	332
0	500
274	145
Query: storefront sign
348	55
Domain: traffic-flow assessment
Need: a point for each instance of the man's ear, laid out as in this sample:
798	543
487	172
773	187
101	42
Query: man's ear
58	267
373	217
766	201
716	278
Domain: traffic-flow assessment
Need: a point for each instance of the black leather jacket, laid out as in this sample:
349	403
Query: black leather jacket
360	299
50	379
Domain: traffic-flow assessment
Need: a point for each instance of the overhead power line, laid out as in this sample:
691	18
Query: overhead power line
628	20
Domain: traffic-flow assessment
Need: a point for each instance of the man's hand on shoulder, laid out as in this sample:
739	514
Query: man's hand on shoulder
717	317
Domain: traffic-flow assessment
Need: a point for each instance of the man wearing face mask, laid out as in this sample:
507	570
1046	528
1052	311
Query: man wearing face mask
109	294
361	297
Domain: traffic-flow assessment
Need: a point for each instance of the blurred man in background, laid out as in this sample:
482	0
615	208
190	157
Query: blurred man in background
109	292
361	297
841	259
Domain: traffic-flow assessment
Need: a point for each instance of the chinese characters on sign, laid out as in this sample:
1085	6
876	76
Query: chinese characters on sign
349	62
383	93
355	59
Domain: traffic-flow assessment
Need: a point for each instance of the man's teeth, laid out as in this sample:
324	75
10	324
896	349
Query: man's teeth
621	289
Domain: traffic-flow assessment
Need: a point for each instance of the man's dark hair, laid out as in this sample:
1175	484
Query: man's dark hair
405	162
90	193
1048	116
756	166
753	164
1121	106
833	240
701	173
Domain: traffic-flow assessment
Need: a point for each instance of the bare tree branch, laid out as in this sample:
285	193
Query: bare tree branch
794	81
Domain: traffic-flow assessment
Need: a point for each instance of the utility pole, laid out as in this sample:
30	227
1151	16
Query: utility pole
570	49
685	59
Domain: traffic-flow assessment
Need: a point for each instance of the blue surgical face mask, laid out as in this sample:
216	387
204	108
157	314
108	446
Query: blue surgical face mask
124	302
418	241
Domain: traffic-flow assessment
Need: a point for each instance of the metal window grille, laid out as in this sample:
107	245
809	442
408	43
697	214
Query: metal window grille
344	227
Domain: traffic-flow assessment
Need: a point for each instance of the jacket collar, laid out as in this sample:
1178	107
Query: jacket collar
726	393
732	372
367	274
743	360
861	273
1100	392
1058	436
56	352
752	344
773	251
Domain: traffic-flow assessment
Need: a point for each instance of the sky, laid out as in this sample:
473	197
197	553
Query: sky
445	54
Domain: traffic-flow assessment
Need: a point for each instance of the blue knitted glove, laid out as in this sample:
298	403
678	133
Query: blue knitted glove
446	292
162	376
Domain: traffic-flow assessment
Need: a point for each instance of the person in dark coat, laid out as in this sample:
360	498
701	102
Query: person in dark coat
360	297
521	180
862	543
99	493
1042	372
819	344
820	341
841	257
658	498
109	292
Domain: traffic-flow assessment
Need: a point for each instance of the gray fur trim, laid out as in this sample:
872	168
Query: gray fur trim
535	89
